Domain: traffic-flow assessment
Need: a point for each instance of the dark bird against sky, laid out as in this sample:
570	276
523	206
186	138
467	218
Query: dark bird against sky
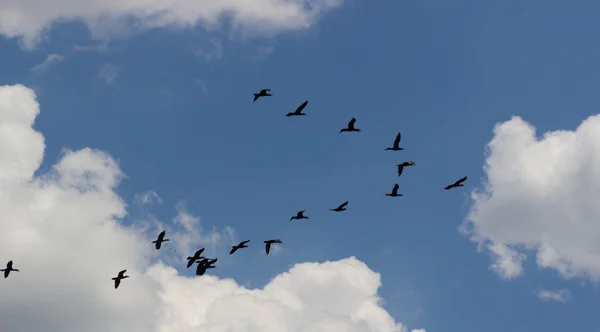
350	126
396	146
160	240
262	93
268	244
299	215
197	256
298	110
394	192
239	246
456	184
119	277
404	164
9	268
340	208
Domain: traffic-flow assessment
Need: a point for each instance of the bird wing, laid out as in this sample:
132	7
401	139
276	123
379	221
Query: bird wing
396	186
233	249
343	205
9	265
244	242
263	91
198	253
400	169
161	235
301	107
351	123
461	181
268	247
397	141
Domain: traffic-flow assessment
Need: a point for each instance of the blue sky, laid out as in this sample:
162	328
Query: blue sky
443	73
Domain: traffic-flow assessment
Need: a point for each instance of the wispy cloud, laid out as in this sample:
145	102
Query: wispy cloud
49	61
100	48
559	295
148	197
213	52
108	72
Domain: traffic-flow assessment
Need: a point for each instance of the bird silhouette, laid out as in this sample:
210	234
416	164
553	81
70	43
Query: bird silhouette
205	264
8	269
119	277
262	93
350	126
404	164
340	208
239	246
396	146
456	184
160	240
299	215
268	244
298	110
197	256
394	192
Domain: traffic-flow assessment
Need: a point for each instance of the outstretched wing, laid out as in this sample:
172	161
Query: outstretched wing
351	123
400	169
395	189
397	141
161	236
244	242
301	107
460	181
343	205
268	247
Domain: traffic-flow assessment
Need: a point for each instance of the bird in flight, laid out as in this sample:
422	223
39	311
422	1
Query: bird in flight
205	264
197	256
160	240
239	246
119	277
350	126
404	164
456	184
394	192
298	110
268	244
8	269
262	93
299	215
396	146
340	208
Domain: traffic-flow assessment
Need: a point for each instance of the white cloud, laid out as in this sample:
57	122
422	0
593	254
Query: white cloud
148	197
106	18
49	61
62	231
540	196
108	72
559	295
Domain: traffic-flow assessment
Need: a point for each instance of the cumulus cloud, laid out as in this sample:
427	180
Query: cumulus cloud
62	230
28	19
49	61
559	295
540	197
108	73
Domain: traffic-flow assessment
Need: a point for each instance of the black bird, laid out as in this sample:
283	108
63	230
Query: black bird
205	264
160	240
9	269
262	93
404	164
239	246
197	256
298	110
119	277
299	215
456	184
340	208
350	126
396	146
268	244
394	192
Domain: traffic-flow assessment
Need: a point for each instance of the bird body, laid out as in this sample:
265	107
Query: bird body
9	268
299	215
262	93
340	208
350	126
298	110
160	240
239	246
268	244
404	164
119	277
394	192
456	184
396	146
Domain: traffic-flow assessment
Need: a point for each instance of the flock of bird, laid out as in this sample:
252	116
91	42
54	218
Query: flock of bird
205	263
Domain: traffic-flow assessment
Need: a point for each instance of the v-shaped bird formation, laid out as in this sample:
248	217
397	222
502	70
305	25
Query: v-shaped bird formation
205	263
